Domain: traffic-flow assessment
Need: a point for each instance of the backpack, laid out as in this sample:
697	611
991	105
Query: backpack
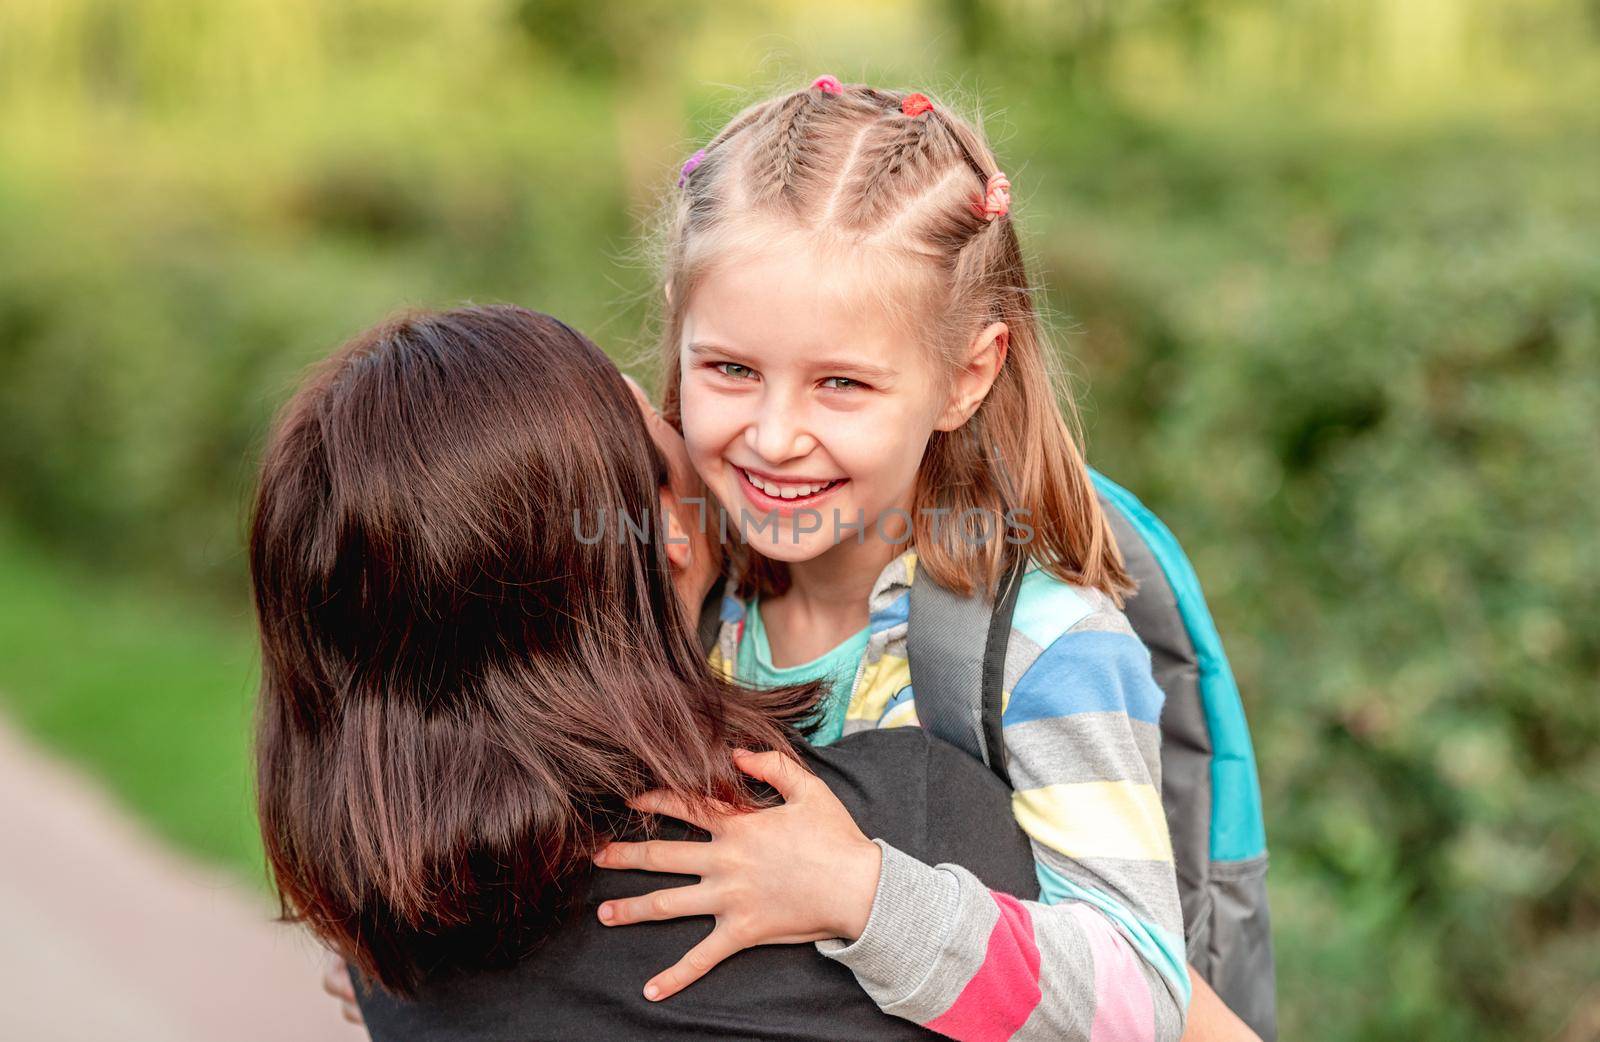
957	648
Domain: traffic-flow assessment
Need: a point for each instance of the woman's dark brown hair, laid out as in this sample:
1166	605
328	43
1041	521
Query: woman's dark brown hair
458	693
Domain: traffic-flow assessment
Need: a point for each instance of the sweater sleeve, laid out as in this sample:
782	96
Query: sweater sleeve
1101	954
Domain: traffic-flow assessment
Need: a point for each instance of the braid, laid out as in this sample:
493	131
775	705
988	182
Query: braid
880	99
738	124
887	164
783	159
699	195
972	223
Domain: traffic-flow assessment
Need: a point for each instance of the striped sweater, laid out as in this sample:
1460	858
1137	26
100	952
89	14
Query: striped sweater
1100	956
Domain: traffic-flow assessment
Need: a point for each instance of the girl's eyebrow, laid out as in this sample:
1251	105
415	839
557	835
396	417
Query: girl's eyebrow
701	347
845	367
831	366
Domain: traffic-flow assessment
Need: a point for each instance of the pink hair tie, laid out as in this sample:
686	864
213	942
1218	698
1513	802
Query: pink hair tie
915	105
997	197
828	85
689	166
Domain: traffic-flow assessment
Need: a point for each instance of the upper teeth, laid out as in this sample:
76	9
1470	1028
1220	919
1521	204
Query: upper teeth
773	488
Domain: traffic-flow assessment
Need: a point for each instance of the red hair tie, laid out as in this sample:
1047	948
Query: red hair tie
915	105
828	85
997	197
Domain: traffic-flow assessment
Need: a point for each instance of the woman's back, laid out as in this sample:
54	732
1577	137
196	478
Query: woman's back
917	794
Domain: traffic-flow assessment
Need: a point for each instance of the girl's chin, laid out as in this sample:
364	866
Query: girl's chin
784	547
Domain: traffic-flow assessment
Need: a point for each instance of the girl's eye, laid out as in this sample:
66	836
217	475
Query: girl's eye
841	383
734	370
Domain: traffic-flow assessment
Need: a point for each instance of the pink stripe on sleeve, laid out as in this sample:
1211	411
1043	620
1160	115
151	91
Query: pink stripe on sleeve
1002	995
1123	1009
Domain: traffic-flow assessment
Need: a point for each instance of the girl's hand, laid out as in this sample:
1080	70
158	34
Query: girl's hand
786	875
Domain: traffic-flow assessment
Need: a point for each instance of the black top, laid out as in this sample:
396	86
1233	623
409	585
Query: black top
916	793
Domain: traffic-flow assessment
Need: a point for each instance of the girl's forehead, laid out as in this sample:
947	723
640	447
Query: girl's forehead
791	301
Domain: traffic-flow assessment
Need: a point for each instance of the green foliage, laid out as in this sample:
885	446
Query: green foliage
1337	318
1364	387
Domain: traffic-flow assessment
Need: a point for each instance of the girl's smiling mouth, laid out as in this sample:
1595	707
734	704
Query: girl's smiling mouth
785	495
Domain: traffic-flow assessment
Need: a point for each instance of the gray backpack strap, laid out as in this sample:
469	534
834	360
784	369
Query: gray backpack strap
957	651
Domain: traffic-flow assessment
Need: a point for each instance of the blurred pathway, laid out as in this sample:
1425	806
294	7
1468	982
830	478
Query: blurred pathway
107	935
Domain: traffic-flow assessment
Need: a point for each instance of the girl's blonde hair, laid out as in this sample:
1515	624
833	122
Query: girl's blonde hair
845	166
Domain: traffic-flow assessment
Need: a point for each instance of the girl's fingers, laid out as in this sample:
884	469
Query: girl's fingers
778	770
659	801
662	904
657	855
336	980
696	964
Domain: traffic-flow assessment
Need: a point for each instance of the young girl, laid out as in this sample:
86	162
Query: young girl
860	375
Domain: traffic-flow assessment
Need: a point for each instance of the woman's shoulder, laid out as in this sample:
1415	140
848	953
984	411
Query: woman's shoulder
869	765
929	799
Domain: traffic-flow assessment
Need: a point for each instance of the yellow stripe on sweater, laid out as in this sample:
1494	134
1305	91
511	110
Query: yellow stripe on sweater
1096	819
902	715
879	682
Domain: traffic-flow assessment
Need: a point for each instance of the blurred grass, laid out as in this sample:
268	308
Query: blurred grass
1327	274
148	689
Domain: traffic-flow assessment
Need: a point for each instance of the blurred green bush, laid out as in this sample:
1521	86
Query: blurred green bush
1364	385
1328	275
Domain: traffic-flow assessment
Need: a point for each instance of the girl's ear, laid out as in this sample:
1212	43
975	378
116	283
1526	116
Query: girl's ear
667	290
985	355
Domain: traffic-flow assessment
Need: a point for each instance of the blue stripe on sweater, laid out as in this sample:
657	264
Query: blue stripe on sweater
892	614
1090	672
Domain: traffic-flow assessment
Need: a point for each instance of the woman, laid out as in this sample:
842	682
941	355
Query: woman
474	569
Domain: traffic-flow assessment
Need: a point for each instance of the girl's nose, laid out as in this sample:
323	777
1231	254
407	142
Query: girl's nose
777	436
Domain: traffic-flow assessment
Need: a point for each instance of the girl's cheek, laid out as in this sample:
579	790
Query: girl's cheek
711	423
695	414
882	440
